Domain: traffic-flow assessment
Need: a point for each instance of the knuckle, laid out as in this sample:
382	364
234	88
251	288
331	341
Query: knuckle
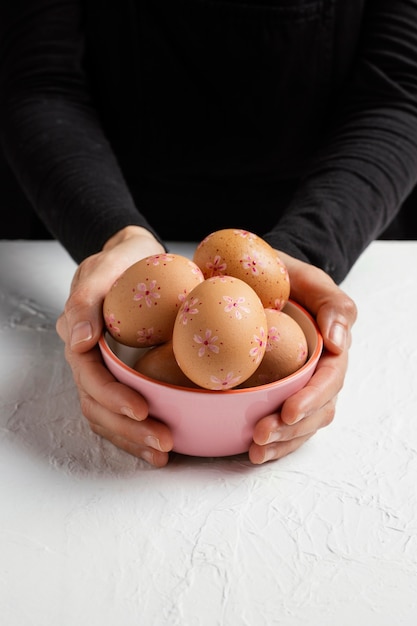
349	308
86	405
80	299
328	414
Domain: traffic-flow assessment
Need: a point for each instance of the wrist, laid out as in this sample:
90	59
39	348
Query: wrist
127	233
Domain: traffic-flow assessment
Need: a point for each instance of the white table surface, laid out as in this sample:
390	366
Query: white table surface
90	535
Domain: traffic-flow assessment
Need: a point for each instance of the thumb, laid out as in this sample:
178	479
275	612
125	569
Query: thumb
82	334
335	319
80	330
81	323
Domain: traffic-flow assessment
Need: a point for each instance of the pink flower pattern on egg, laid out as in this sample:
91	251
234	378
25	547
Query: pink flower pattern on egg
283	269
112	324
208	343
245	234
203	241
145	336
156	259
273	336
196	270
302	353
236	306
252	263
217	267
148	294
279	303
257	350
228	382
188	310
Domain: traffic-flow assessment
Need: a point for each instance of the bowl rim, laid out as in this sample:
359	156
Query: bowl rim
313	357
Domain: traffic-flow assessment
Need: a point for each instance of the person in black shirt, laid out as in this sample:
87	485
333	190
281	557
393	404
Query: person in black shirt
128	124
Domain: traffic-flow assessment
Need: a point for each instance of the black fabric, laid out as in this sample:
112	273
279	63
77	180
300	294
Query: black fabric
294	119
19	219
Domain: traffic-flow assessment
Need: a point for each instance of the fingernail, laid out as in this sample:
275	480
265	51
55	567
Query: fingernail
273	436
299	417
126	410
338	335
269	455
81	332
147	455
153	442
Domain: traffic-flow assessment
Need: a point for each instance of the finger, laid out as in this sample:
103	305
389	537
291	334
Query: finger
150	455
317	399
147	434
333	309
325	384
96	382
262	454
83	312
81	323
283	438
335	320
272	428
148	439
81	336
62	327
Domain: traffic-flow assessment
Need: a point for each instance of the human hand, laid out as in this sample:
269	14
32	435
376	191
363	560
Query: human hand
313	407
113	410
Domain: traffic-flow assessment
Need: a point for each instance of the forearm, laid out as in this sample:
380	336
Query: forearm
347	201
50	131
72	180
367	163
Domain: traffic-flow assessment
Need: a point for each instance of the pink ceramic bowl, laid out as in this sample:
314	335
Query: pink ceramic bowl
213	423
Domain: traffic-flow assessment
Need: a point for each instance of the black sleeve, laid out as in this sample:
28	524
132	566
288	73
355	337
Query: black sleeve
368	162
50	131
54	142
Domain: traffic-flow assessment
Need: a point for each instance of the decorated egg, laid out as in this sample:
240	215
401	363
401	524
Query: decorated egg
141	306
286	349
239	253
159	363
219	335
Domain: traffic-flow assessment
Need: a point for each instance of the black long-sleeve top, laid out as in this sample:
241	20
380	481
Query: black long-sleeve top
296	119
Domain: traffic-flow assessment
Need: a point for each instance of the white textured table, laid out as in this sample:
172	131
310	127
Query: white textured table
325	537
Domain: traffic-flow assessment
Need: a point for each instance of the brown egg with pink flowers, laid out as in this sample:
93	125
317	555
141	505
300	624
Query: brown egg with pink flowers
159	363
140	308
286	349
245	255
219	334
